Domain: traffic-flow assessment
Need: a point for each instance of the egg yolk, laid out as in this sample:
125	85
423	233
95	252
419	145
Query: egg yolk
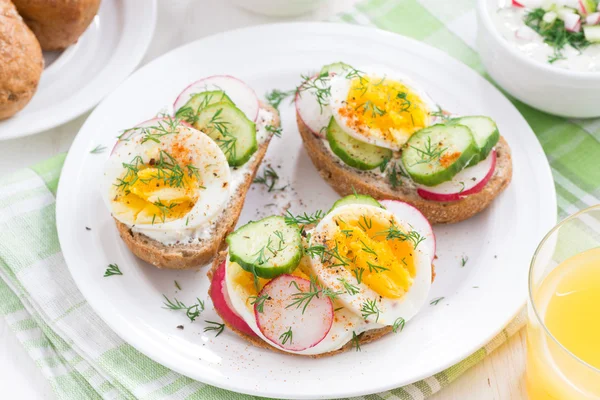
375	256
156	193
387	106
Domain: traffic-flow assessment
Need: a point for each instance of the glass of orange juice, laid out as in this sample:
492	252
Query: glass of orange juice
563	329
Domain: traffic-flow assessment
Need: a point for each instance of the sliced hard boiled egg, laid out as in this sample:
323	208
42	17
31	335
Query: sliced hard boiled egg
243	292
375	260
380	106
167	176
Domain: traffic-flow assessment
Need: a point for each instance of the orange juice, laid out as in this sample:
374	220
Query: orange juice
566	365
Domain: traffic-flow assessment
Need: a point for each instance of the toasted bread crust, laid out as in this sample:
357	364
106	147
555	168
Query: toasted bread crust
363	338
345	179
185	256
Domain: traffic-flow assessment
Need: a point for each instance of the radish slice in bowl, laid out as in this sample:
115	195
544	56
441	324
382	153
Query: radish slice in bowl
222	303
405	211
241	94
470	180
136	130
288	325
313	114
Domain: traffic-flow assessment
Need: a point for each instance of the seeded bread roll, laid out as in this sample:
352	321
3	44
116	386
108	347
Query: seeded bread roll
21	61
57	23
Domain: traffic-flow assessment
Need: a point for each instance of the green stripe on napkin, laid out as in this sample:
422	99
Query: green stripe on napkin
83	359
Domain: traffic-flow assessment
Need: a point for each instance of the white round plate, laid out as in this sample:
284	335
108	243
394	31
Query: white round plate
76	79
479	299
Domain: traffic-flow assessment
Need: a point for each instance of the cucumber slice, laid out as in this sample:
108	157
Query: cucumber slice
435	154
485	132
592	33
355	199
335	68
230	129
189	111
267	248
357	154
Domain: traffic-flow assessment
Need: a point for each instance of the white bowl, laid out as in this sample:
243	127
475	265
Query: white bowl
542	86
279	8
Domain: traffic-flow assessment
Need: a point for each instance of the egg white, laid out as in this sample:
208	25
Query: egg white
205	155
390	309
340	87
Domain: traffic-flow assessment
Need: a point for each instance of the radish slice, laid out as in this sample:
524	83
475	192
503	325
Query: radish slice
220	298
307	328
470	180
312	114
527	3
593	19
587	6
405	211
572	22
136	130
241	94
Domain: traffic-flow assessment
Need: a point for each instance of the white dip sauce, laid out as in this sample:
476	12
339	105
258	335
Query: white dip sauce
509	22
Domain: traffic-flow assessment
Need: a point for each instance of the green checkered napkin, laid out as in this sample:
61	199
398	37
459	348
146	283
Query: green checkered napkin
83	359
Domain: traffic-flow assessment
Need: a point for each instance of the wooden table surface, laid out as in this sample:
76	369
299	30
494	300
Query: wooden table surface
500	376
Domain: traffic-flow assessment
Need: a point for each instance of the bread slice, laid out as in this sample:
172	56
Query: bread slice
345	180
363	338
184	256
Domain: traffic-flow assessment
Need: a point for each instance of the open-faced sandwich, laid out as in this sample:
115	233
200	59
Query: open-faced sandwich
324	283
376	131
176	185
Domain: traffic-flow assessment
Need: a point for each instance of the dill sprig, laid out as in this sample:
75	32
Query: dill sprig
192	312
190	114
358	273
355	341
217	327
368	308
405	104
276	96
269	178
98	149
113	269
328	255
164	209
367	249
259	302
398	324
303	299
166	126
376	268
441	114
464	260
319	86
304	219
435	301
286	336
350	288
394	232
369	105
226	140
555	34
429	153
274	130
